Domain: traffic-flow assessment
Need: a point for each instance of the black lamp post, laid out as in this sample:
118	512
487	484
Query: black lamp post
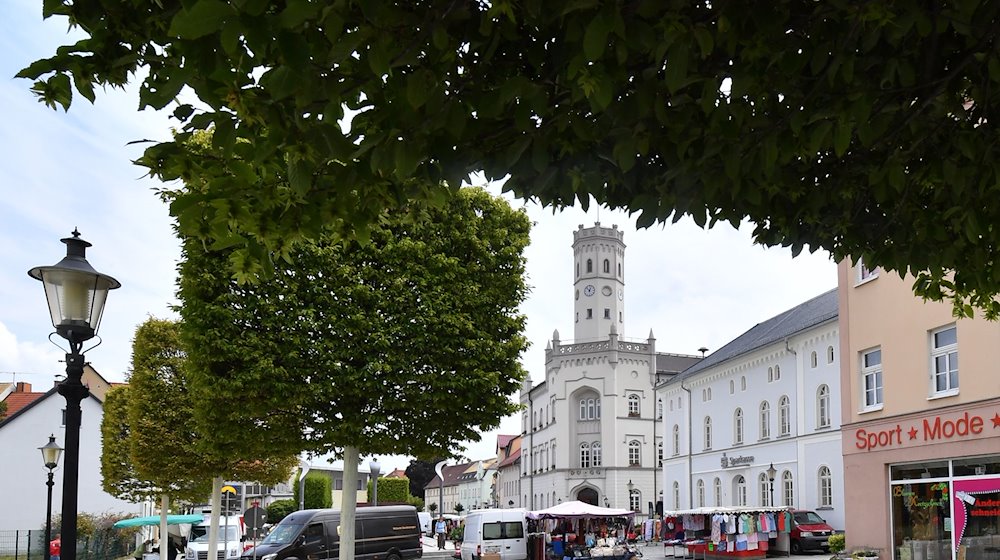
771	471
76	294
374	469
50	455
510	503
631	488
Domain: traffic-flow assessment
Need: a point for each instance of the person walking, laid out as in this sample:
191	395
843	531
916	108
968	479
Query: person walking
55	548
439	531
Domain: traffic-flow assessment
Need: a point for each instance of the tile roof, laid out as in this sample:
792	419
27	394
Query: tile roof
17	401
503	440
815	311
674	363
511	459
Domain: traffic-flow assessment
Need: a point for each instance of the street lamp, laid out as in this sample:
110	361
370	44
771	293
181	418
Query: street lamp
631	488
510	503
50	455
374	468
76	294
771	471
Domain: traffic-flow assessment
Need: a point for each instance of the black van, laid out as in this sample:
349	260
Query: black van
380	533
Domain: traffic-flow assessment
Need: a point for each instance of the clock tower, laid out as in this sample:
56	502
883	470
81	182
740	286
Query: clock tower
599	282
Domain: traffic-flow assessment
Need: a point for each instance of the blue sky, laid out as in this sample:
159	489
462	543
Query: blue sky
59	171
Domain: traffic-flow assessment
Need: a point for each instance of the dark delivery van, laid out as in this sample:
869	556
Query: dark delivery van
380	533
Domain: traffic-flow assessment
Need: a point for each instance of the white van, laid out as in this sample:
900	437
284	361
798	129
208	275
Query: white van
425	523
496	531
230	539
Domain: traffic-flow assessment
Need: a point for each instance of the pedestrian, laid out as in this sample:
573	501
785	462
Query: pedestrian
55	548
439	530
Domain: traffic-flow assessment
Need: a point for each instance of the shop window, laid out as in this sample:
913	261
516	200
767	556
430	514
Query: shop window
784	416
944	360
787	489
738	427
717	491
825	487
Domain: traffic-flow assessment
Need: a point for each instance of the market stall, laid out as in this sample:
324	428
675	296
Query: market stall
721	533
578	530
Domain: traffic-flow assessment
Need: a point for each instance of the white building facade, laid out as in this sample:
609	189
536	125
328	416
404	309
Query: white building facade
589	430
771	397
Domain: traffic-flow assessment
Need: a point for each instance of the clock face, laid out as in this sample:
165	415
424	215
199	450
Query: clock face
606	290
621	294
588	290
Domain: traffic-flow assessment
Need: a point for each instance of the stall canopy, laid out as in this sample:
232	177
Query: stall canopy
578	510
155	520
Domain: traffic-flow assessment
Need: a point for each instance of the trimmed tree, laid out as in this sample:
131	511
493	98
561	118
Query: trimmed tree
866	130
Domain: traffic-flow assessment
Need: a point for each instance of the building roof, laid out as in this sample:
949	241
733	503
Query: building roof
19	400
817	310
675	363
397	473
511	459
503	440
452	474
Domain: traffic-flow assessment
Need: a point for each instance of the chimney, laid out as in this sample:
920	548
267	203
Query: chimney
22	387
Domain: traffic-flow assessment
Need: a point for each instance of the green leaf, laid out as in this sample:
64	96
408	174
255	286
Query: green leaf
281	82
841	138
406	157
705	41
224	134
417	88
676	71
595	39
204	18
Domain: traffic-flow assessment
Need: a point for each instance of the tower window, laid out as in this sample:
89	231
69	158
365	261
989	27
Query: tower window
578	269
607	265
619	270
590	313
590	266
607	313
620	320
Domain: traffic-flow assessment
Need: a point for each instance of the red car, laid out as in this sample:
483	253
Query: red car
809	532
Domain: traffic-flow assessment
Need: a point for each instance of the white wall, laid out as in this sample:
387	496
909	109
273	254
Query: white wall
24	475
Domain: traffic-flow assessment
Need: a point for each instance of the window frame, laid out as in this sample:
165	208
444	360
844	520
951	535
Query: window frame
634	453
707	433
788	489
825	486
875	372
949	352
764	413
738	426
784	416
823	407
596	457
634	404
700	486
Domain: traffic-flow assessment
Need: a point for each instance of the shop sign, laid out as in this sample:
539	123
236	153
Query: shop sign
740	461
926	430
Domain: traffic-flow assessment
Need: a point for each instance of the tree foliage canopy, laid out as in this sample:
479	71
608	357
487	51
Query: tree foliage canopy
864	128
407	344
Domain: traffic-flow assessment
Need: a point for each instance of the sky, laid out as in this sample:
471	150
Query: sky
63	170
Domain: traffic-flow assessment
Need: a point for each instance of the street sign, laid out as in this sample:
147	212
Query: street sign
255	517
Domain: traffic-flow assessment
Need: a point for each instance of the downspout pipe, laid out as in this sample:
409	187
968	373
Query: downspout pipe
689	467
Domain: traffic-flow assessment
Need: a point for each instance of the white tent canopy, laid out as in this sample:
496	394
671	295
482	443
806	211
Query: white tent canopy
578	510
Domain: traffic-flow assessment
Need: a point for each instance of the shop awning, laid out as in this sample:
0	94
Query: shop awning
578	510
155	520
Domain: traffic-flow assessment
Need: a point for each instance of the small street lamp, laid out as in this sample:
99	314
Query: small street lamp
50	455
76	294
510	503
374	468
771	471
631	489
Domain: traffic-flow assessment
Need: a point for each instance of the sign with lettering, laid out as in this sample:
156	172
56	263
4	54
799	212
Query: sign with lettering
925	430
740	461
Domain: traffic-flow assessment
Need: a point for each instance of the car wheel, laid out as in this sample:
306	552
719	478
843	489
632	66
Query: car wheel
796	547
392	556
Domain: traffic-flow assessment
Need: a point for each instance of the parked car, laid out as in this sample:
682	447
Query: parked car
495	531
380	533
809	532
231	537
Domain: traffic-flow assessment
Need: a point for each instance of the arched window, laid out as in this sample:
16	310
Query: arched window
554	455
633	405
825	487
597	409
701	493
732	387
829	354
578	270
787	489
619	270
634	500
659	454
590	266
607	266
671	405
717	490
784	416
777	373
709	393
762	485
584	455
738	426
740	491
813	360
823	407
770	374
633	453
583	409
765	420
659	408
743	383
677	495
676	440
708	432
595	452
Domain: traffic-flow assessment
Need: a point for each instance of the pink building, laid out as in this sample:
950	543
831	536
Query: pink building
921	435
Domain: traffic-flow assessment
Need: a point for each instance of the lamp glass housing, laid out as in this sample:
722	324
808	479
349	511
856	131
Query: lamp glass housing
771	471
51	452
374	468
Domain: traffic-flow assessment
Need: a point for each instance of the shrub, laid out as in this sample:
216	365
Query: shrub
837	543
279	509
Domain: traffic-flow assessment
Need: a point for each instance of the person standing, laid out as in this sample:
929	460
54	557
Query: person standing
439	531
55	548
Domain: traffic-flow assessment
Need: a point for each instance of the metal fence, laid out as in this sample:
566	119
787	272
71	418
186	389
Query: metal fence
31	545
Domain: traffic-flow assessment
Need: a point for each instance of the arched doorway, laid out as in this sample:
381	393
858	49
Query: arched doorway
587	496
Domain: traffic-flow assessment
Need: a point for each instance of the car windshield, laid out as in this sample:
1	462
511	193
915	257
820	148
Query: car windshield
283	533
808	518
199	533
